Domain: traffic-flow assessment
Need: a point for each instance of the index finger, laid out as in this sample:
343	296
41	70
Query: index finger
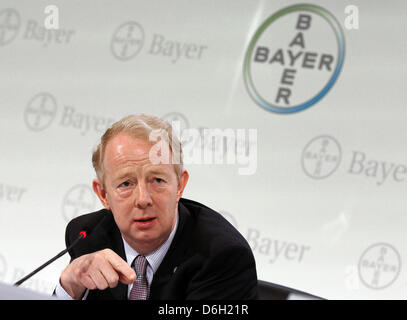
127	274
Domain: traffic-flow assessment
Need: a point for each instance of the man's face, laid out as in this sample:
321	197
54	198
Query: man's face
142	196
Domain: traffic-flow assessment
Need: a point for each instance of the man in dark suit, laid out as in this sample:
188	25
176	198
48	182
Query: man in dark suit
148	242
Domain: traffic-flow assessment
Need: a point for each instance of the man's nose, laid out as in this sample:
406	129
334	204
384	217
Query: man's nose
143	198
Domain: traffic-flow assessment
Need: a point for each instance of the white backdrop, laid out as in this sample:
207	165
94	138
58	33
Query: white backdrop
324	209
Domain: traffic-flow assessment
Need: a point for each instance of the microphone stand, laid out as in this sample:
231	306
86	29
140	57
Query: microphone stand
82	235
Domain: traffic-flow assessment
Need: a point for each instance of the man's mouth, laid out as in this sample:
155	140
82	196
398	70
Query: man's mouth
145	223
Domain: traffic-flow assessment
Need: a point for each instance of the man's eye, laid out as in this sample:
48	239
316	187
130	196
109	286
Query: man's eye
158	180
125	184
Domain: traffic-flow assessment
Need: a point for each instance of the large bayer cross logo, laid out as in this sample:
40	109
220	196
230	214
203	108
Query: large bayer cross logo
294	58
127	41
9	25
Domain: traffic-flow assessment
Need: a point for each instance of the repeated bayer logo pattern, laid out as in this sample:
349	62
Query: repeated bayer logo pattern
40	111
127	41
321	157
77	201
379	266
9	25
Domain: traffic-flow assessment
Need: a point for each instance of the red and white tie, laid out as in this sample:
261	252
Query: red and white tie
140	286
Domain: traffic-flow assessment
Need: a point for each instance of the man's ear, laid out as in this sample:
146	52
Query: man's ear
101	192
183	179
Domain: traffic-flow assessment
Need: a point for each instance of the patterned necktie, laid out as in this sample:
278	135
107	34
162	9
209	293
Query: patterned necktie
140	285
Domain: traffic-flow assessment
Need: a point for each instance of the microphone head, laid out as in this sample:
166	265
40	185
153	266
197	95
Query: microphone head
84	232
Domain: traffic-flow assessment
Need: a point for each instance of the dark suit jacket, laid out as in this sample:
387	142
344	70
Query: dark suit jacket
208	258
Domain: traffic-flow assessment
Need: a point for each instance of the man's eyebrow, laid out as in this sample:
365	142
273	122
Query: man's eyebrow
123	175
156	171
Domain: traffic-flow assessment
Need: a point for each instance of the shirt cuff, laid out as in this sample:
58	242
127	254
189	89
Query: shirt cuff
60	293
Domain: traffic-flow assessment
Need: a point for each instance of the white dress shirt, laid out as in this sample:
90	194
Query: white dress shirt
154	260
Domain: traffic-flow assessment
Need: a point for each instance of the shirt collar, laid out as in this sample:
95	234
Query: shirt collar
154	258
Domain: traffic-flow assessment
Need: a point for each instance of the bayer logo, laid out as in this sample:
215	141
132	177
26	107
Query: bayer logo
321	157
78	200
127	41
9	25
40	111
379	266
294	58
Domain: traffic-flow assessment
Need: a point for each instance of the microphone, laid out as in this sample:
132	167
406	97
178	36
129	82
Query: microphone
82	235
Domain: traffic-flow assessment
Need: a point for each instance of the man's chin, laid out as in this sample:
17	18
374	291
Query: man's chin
143	241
